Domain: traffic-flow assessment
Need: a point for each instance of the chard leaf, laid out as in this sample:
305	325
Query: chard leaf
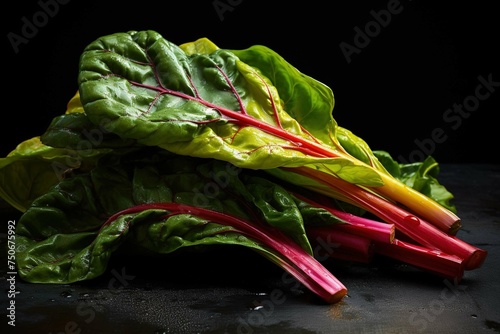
203	101
421	176
279	209
307	100
75	131
212	104
32	168
310	103
67	258
70	232
36	164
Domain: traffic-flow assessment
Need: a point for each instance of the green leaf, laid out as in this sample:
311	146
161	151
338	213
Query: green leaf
70	232
389	163
32	168
307	100
203	101
421	176
279	209
75	131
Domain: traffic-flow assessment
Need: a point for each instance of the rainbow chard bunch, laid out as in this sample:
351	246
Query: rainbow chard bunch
166	147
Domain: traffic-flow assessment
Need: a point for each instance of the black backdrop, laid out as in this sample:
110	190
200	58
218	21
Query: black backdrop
410	77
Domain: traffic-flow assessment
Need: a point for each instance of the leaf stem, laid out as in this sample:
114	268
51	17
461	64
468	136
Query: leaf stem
361	226
338	244
416	228
440	263
305	268
392	188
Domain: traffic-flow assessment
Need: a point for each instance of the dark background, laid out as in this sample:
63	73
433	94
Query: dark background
393	92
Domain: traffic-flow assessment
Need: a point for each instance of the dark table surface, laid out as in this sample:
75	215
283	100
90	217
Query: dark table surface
231	290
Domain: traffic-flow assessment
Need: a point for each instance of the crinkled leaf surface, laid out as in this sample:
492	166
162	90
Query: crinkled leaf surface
421	176
70	232
32	168
71	142
305	99
203	101
75	131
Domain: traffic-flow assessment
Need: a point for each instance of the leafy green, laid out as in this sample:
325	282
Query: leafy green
247	107
167	147
206	105
422	176
32	168
64	236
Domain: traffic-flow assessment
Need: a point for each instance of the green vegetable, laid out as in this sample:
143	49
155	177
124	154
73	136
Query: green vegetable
32	168
167	147
248	107
157	203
